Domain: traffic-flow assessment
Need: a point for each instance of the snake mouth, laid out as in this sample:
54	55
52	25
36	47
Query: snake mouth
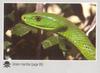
43	28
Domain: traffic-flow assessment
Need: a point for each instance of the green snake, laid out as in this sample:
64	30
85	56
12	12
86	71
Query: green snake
63	27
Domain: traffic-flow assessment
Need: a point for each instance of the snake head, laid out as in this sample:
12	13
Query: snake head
44	21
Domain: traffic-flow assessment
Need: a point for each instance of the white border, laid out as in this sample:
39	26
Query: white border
52	66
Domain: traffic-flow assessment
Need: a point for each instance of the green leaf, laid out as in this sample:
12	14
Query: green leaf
54	40
22	29
11	16
49	42
7	44
62	44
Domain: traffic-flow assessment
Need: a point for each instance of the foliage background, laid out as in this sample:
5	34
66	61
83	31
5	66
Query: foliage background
24	42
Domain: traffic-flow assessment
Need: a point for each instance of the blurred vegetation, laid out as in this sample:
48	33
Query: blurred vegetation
26	42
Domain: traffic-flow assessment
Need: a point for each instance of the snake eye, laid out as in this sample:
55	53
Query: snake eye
38	18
